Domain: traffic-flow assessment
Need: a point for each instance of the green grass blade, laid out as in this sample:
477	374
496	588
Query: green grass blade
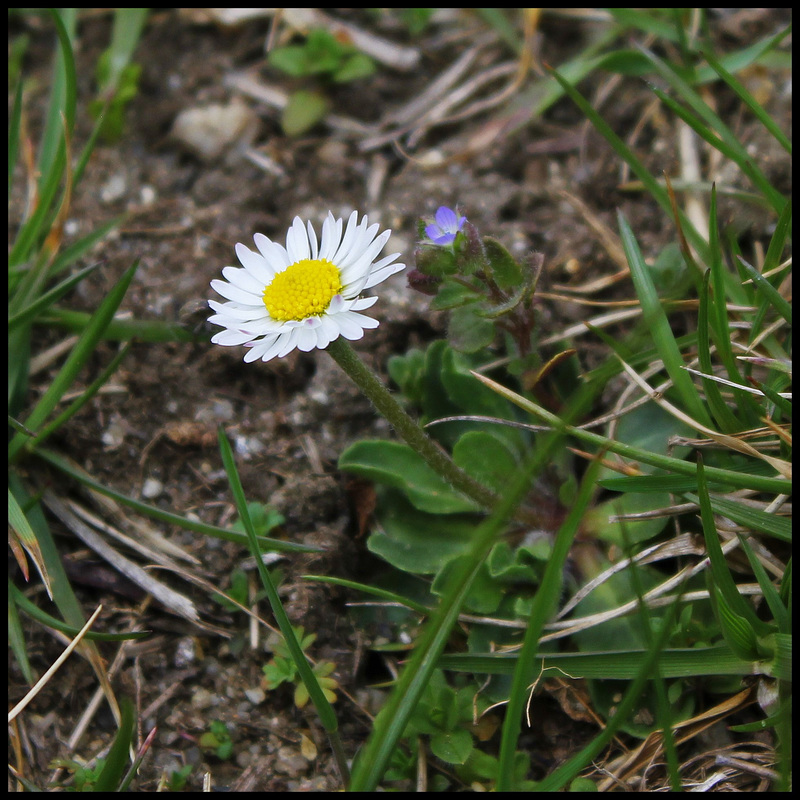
115	767
755	107
712	126
544	605
14	123
69	255
770	296
16	640
647	21
753	518
376	591
777	244
44	301
76	405
63	95
325	712
658	324
650	183
83	349
728	421
723	583
50	621
771	595
125	35
196	526
728	477
121	330
618	665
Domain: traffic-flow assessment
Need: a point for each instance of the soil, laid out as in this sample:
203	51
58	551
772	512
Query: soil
547	182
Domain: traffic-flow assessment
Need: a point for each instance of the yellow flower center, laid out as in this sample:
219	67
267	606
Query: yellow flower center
304	289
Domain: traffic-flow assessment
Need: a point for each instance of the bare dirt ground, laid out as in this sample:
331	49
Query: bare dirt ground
538	183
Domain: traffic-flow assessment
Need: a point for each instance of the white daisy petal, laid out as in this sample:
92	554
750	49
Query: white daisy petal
305	295
243	279
274	254
236	310
331	236
255	263
312	240
297	241
230	338
380	274
231	292
363	303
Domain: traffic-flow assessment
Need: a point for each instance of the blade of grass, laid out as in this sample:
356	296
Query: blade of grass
14	125
611	665
723	581
83	349
160	514
120	330
29	312
63	94
707	124
770	296
18	522
544	605
33	611
652	185
557	779
325	712
732	478
384	594
16	641
755	107
771	595
728	421
658	324
114	769
76	405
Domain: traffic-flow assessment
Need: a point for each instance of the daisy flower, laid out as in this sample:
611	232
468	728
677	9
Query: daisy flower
447	223
304	295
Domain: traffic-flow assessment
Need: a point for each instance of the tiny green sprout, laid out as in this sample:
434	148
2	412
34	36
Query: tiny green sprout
325	59
218	739
264	517
83	777
178	778
282	669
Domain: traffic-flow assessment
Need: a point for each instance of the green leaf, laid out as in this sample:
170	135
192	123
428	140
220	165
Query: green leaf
358	65
486	458
435	261
395	464
416	542
453	747
468	330
506	272
303	111
290	59
484	595
452	294
114	769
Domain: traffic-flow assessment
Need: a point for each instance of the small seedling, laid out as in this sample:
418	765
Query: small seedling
218	739
282	669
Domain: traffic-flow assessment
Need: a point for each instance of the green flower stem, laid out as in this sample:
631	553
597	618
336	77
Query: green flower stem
410	431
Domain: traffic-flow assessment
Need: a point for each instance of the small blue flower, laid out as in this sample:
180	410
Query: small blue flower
447	224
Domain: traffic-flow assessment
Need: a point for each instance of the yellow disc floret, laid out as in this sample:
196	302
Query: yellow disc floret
304	289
